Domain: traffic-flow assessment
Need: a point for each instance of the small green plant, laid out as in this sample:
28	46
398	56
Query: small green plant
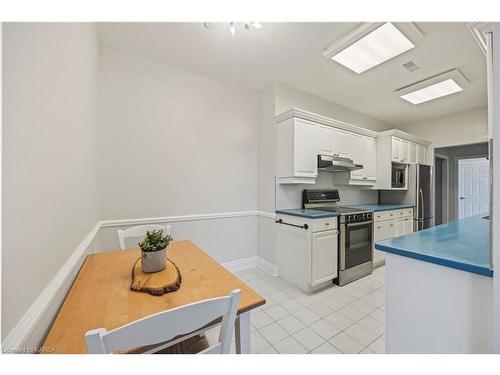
155	241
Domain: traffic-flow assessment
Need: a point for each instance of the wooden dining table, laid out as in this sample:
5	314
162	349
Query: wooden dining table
101	296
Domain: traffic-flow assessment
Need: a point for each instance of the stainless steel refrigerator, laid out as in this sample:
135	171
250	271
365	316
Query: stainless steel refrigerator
419	195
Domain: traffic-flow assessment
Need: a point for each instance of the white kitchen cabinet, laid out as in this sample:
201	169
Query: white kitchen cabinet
390	224
396	146
297	151
421	154
307	258
363	152
395	149
403	151
358	155
412	154
324	256
370	165
342	143
326	140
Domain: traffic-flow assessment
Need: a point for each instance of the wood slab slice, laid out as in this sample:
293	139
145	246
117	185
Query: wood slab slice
158	283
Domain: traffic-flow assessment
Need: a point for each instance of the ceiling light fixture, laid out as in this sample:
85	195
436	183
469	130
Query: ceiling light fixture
441	85
369	45
234	26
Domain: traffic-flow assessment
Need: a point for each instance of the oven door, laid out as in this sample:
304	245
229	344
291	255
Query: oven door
356	245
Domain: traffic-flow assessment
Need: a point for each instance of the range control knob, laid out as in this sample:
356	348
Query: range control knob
349	217
355	217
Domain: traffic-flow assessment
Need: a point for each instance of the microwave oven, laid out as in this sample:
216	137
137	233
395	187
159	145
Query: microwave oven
399	172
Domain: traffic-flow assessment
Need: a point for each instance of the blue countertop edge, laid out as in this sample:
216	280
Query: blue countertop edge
440	261
298	212
380	207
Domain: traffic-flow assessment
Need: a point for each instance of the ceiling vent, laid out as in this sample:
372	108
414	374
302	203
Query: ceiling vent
411	66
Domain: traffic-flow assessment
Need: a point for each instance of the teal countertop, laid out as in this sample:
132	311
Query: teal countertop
381	207
461	244
307	213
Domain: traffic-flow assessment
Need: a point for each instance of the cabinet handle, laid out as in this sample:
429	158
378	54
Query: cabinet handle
327	223
378	227
391	225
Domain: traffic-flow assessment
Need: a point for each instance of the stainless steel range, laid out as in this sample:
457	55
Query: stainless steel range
356	233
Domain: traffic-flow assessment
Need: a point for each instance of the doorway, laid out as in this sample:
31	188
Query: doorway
474	182
441	189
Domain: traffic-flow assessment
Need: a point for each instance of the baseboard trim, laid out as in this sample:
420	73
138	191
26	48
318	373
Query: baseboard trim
20	334
252	262
264	265
240	264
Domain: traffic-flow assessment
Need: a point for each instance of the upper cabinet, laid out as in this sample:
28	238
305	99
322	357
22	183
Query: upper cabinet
326	140
395	146
342	143
302	136
297	151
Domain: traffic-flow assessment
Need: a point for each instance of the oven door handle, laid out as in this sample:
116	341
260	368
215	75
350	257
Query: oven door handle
359	224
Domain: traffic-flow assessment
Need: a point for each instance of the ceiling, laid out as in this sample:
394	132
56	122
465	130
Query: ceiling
291	53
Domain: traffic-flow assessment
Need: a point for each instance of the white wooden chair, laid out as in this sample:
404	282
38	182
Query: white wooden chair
161	327
139	231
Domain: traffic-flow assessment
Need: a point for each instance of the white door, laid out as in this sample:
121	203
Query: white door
474	186
324	256
370	165
412	153
403	151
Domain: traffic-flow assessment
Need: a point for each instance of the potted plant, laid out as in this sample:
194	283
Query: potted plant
154	251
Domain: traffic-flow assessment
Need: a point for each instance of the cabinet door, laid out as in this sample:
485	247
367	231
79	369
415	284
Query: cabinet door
325	140
395	149
342	143
305	162
400	227
409	225
370	162
412	153
358	146
324	256
384	230
420	154
403	151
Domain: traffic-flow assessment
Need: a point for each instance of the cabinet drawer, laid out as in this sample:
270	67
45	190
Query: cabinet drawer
324	224
384	215
407	212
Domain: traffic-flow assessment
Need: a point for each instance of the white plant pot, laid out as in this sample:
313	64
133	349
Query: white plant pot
154	261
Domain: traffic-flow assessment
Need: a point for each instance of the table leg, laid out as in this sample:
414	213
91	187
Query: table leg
242	333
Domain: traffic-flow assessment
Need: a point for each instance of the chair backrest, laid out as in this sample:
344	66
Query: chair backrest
139	231
163	326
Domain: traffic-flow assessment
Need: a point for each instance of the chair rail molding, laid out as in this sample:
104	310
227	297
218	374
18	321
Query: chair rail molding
31	329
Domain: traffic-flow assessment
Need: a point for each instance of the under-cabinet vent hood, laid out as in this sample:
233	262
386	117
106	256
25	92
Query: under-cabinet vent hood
336	164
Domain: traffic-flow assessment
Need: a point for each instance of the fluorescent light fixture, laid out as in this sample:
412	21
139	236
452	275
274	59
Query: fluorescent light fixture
440	85
432	92
379	43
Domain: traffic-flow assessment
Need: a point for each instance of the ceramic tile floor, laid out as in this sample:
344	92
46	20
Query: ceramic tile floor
349	319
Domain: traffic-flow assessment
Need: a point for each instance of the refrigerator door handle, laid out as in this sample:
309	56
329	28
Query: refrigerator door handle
422	214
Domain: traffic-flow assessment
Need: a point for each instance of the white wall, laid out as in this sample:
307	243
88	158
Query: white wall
452	130
175	143
49	163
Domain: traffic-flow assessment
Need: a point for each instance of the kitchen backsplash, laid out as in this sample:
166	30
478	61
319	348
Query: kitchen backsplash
290	196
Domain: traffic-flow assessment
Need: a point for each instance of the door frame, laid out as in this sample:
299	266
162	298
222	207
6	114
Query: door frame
457	179
445	188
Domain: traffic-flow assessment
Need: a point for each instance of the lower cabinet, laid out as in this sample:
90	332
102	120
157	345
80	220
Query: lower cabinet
307	258
390	224
324	256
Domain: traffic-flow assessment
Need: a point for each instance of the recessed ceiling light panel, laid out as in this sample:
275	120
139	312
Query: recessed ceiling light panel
378	43
434	91
444	84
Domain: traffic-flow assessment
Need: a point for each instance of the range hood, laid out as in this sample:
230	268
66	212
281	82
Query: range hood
336	164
